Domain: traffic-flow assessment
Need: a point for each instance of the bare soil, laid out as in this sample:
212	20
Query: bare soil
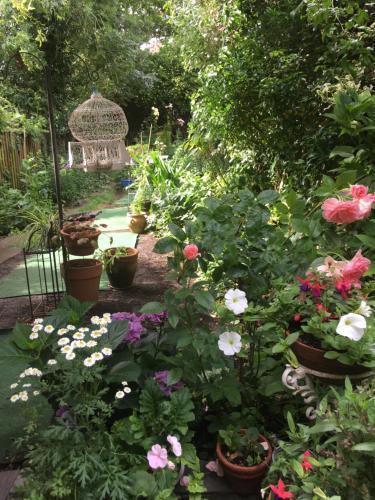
149	285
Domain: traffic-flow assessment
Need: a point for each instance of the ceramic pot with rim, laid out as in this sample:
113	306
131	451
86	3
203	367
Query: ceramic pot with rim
245	480
82	278
81	243
121	272
137	223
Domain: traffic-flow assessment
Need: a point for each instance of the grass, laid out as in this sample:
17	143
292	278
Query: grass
98	201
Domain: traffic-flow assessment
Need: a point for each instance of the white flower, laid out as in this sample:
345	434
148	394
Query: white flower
26	385
49	328
95	320
229	343
38	321
91	343
63	341
97	356
62	331
14	398
23	396
127	390
13	386
22	375
236	301
352	325
78	344
88	361
106	351
96	334
66	349
83	329
79	336
107	315
33	336
103	329
51	362
70	327
70	356
37	328
364	309
31	372
119	394
124	382
36	393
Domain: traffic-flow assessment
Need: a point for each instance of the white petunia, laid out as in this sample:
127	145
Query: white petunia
14	398
49	328
88	361
79	336
229	343
364	309
91	343
236	301
51	362
106	351
33	336
97	356
70	356
62	331
63	341
70	327
66	349
13	386
352	325
119	394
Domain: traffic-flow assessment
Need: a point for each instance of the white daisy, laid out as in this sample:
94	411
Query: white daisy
38	321
23	396
127	390
13	386
14	398
95	320
51	362
70	327
83	329
78	344
88	361
33	336
62	331
36	393
63	341
119	394
66	349
22	375
79	336
91	343
26	385
96	334
103	329
49	328
37	328
97	356
124	382
107	315
70	356
106	351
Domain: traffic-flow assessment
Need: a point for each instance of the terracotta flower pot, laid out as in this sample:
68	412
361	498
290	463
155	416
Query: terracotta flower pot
82	278
313	358
137	223
245	480
121	272
81	243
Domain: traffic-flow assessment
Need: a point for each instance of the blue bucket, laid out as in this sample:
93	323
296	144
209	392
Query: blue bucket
126	182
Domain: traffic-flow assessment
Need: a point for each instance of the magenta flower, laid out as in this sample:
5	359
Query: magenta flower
161	379
157	457
176	445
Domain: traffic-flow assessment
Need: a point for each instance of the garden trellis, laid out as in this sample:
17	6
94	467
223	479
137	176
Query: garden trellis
99	125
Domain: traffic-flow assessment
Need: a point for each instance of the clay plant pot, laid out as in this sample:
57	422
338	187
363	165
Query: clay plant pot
137	223
121	272
81	243
245	480
313	358
82	278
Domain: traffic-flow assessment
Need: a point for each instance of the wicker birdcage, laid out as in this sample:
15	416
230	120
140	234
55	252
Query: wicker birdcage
100	126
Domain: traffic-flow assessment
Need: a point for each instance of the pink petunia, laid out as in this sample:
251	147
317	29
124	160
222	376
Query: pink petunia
157	457
176	445
191	251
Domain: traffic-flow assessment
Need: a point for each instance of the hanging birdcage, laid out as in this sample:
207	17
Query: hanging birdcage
100	126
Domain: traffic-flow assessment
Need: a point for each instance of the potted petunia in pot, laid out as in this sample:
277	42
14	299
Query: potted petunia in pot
330	326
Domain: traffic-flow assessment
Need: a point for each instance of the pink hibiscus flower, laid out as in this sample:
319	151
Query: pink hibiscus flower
157	457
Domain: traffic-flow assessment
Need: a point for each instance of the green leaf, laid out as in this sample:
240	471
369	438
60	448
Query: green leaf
125	370
205	299
152	308
367	446
322	427
116	332
292	425
291	338
331	354
345	178
173	318
165	245
174	376
343	151
369	241
143	484
268	196
177	232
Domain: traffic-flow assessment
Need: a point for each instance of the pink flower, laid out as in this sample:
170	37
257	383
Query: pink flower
365	205
191	252
171	465
341	212
354	269
176	445
332	267
184	481
358	191
279	490
157	457
306	465
214	466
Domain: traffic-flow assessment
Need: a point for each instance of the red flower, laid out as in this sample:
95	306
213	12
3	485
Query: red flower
191	251
320	307
297	317
316	289
343	287
306	465
279	490
304	284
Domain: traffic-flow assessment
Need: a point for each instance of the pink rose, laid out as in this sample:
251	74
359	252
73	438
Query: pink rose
191	251
355	268
341	212
176	445
358	191
157	457
365	205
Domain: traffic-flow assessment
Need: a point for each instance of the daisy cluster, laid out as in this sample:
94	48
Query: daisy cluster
125	390
39	328
26	388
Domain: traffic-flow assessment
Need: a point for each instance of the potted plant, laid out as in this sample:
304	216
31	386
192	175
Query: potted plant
244	456
82	278
42	229
120	264
138	221
80	238
330	324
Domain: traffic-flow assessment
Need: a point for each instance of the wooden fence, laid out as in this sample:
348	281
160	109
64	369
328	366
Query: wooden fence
13	149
